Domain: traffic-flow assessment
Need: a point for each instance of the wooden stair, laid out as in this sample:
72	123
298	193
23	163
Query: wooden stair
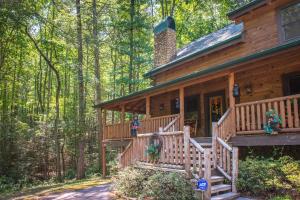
161	167
219	189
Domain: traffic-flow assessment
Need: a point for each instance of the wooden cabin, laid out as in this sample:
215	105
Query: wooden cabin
210	97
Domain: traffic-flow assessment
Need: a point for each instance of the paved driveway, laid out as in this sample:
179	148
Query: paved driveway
101	192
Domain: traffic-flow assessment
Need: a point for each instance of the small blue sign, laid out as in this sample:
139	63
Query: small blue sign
202	184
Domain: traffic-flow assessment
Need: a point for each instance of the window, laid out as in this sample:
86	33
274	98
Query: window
291	83
290	22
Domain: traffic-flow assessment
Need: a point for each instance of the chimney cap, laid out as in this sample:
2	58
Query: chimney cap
168	22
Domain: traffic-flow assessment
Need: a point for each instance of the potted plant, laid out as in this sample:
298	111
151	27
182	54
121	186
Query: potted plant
273	122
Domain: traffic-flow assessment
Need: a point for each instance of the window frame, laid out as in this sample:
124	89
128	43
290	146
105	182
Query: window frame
279	23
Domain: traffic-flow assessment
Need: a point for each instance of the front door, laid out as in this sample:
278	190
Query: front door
214	109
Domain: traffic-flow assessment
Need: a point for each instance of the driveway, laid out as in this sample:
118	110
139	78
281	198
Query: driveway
101	192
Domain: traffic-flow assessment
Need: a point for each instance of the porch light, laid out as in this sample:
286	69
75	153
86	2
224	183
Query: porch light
236	90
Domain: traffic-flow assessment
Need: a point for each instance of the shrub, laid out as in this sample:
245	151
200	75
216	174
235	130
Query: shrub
129	182
168	186
139	183
269	176
70	174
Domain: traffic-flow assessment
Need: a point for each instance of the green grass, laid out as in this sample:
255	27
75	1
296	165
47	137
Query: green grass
46	189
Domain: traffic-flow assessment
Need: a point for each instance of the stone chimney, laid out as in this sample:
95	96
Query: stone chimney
164	42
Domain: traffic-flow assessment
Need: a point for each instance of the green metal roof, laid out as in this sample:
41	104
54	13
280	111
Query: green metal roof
243	9
207	71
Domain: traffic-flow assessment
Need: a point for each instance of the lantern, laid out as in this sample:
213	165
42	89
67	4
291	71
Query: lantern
236	90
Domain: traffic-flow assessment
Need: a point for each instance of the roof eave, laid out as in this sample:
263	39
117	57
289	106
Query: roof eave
193	56
246	8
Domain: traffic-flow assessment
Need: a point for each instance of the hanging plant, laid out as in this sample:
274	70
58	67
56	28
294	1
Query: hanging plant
154	147
273	122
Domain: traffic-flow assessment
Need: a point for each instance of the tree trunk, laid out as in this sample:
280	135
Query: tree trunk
80	162
97	81
131	81
57	96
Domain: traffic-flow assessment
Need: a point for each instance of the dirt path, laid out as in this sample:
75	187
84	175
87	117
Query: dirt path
101	192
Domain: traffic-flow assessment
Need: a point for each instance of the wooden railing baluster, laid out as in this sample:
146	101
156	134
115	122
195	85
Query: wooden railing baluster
253	115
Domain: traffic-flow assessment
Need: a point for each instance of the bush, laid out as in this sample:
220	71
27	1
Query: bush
70	174
168	186
129	182
139	183
269	176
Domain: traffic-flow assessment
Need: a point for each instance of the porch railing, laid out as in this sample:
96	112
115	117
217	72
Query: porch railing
172	151
151	125
116	131
250	116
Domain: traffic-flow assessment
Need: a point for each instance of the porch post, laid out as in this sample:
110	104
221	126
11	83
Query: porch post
187	153
148	104
103	160
122	119
214	143
207	173
104	117
181	103
235	167
232	101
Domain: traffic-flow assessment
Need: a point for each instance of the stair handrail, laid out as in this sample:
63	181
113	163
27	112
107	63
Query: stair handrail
224	116
225	157
197	145
204	160
123	155
171	124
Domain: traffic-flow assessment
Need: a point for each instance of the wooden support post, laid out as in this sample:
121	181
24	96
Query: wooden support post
103	160
122	120
148	105
235	167
232	102
181	102
187	158
214	143
104	117
104	130
161	129
207	173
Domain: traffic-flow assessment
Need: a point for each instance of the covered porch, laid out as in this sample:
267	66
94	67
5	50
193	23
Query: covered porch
173	108
265	81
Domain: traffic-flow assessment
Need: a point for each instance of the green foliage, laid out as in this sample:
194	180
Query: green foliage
168	186
70	174
286	197
29	147
129	182
153	152
268	176
138	183
273	122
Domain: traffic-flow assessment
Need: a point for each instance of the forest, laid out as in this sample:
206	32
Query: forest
58	58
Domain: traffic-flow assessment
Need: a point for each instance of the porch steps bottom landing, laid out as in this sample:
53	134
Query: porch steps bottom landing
220	189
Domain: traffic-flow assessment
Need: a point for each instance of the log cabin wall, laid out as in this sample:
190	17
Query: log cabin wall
266	79
260	32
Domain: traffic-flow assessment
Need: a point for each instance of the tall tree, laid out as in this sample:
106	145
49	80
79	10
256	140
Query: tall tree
97	78
81	93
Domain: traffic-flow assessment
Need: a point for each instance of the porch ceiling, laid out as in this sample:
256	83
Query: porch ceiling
209	73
